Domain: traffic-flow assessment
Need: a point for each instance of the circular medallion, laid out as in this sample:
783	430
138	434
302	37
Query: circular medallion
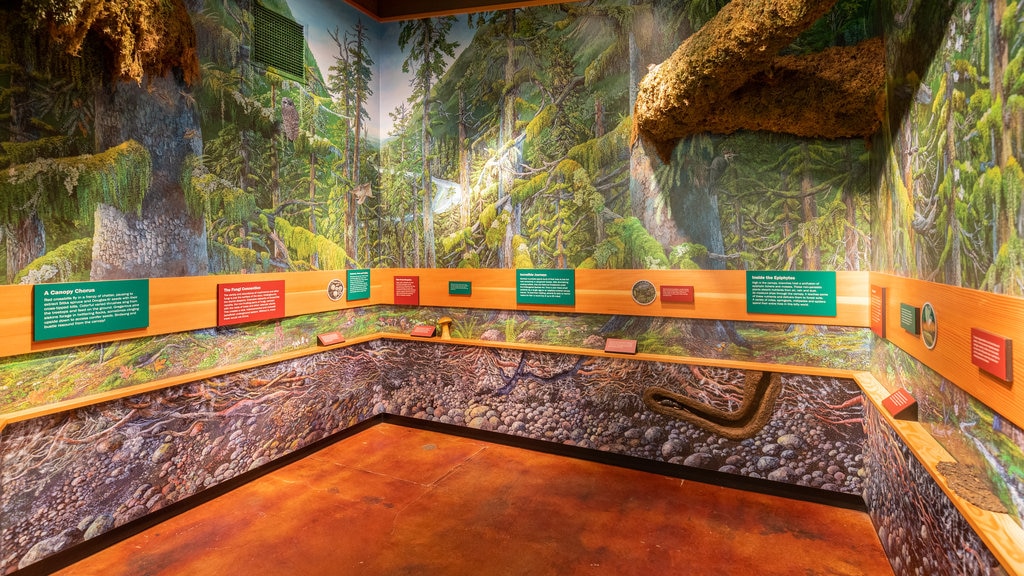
644	292
335	289
929	326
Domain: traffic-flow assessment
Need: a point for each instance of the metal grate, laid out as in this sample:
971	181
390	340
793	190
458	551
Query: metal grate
279	42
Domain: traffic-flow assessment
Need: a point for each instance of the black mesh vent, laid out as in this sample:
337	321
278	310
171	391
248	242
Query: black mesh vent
279	42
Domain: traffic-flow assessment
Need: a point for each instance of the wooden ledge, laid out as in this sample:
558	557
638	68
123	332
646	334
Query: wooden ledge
93	399
999	532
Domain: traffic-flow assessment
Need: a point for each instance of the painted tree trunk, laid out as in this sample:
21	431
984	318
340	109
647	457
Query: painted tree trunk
164	239
26	241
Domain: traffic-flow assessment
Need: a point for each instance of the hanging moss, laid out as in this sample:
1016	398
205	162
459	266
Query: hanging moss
70	262
459	237
521	253
641	247
226	259
22	152
685	256
525	189
59	187
210	195
305	244
487	215
541	121
1006	275
602	152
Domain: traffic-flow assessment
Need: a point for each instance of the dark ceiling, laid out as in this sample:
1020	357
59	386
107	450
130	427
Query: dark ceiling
387	10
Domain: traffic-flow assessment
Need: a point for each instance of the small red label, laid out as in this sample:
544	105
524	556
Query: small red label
899	402
620	346
679	294
423	331
992	353
407	290
330	338
878	310
249	301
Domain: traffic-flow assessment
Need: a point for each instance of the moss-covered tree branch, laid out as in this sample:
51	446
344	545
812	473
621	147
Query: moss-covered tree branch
728	76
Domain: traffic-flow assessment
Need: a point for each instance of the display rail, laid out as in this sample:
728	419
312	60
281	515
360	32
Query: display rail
999	531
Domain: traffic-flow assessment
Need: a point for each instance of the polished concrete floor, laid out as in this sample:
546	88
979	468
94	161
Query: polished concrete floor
395	500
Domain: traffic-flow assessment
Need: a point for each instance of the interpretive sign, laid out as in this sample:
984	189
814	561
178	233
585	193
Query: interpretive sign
677	294
460	288
799	293
249	301
424	331
910	318
878	310
546	287
83	308
900	404
992	353
620	346
358	284
407	290
330	339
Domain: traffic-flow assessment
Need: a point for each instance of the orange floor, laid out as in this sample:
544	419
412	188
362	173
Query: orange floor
396	500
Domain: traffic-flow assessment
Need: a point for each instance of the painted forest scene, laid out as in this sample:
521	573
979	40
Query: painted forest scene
167	149
950	209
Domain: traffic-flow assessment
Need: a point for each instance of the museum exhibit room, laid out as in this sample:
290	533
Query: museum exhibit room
477	287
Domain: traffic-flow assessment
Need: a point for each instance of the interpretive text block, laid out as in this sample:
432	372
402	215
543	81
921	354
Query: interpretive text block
800	293
83	308
358	284
900	404
460	288
240	302
677	294
992	353
546	287
330	339
910	318
620	346
407	290
878	303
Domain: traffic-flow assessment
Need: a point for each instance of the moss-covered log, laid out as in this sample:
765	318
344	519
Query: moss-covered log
727	75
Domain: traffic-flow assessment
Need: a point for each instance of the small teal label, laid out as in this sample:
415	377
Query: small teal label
84	308
358	284
459	288
910	318
801	293
556	287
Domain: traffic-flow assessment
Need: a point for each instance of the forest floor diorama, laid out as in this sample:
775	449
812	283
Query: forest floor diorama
48	377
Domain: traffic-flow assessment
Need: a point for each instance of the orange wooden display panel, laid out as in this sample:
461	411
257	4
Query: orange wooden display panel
957	310
182	304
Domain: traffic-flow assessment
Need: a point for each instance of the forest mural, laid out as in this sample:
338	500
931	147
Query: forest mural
143	140
949	206
154	149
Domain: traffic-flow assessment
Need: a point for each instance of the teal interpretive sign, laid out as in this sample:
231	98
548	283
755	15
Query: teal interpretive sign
83	308
556	287
800	293
358	284
460	288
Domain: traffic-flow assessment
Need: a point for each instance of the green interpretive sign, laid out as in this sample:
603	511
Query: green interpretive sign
800	293
458	288
556	287
83	308
358	284
910	318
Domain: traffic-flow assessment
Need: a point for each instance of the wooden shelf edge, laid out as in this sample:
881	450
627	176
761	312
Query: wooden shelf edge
998	531
93	399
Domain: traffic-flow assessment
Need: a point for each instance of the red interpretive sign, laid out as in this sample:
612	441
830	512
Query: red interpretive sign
620	346
878	310
249	301
900	404
407	290
677	294
992	353
424	331
330	338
